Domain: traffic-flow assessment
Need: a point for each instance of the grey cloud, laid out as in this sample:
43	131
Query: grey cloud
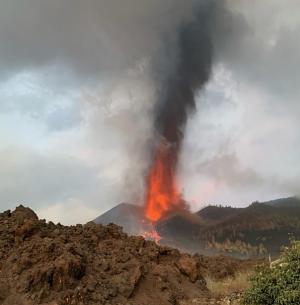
98	39
24	95
260	44
55	115
226	168
92	38
74	42
36	179
58	187
290	185
63	118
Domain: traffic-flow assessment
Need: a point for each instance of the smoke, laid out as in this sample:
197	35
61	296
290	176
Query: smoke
190	72
189	60
160	54
189	69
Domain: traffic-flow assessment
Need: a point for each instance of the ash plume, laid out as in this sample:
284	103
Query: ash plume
191	59
191	71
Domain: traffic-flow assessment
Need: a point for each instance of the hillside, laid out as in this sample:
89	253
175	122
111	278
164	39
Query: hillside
46	264
130	217
253	231
258	230
215	214
284	202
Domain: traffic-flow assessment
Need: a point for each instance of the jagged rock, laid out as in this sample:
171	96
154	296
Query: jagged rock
46	264
188	266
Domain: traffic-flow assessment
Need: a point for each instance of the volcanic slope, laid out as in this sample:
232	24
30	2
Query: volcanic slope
44	263
258	230
130	217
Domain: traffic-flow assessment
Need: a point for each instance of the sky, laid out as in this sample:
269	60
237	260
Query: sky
77	94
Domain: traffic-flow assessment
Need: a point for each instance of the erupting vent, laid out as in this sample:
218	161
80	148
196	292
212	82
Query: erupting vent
162	194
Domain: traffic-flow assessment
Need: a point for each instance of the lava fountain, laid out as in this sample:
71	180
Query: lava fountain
163	194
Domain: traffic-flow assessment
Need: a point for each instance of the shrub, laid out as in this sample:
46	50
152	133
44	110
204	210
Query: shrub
278	285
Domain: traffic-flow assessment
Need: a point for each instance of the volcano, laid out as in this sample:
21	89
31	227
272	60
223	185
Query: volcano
129	216
257	230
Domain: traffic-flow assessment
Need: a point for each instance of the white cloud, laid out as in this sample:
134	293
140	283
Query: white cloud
68	212
238	147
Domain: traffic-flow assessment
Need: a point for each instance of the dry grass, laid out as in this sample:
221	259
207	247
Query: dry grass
229	286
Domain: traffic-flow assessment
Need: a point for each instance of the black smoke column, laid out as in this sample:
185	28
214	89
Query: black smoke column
191	70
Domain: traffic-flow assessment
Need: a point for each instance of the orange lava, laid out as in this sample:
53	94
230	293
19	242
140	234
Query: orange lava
162	195
152	235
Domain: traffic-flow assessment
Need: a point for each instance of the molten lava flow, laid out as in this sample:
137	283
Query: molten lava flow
162	191
152	235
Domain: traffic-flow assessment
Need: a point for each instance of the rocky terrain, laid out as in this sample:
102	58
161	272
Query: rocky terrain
44	263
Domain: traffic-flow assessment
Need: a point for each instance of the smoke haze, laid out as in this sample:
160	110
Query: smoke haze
91	82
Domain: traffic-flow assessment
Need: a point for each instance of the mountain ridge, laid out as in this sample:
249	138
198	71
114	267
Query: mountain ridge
260	229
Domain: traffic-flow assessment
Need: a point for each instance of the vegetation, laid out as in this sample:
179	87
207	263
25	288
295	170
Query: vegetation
278	284
229	285
238	248
255	231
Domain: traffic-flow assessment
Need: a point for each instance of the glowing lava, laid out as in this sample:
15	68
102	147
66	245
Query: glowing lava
162	194
152	235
